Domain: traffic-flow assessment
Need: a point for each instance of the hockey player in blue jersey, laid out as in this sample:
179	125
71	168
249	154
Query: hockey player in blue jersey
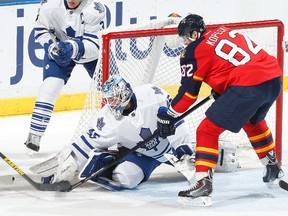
67	29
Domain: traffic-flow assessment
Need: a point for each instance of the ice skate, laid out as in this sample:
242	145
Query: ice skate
32	143
199	194
273	171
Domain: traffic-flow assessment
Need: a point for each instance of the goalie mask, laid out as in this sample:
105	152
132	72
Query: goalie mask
116	93
189	24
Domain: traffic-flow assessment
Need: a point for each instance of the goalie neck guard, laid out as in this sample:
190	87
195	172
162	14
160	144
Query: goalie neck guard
116	93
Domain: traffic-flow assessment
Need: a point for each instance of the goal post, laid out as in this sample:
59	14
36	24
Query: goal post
150	54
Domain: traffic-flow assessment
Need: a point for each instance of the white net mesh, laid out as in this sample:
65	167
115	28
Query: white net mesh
155	59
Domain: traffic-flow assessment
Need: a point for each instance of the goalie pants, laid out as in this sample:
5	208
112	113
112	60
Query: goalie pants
146	164
238	107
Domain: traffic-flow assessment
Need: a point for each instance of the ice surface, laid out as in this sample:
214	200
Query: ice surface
240	193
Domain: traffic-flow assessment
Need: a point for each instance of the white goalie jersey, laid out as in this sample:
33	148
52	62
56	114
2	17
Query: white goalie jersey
105	131
56	20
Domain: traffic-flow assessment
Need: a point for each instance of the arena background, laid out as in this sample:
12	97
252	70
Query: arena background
20	55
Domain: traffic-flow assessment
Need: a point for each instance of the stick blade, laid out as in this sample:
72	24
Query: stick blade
62	186
283	185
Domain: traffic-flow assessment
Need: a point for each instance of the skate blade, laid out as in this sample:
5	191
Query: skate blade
199	201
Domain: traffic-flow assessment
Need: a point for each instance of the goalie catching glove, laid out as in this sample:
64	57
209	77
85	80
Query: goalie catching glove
66	51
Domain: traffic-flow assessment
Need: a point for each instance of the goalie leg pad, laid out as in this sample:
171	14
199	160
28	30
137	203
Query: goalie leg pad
50	166
227	161
65	171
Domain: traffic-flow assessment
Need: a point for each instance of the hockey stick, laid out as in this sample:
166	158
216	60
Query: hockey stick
283	184
58	186
139	145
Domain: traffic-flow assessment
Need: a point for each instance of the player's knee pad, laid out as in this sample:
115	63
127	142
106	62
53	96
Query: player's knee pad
128	174
227	160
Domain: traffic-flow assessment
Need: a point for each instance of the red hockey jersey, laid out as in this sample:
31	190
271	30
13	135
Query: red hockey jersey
222	58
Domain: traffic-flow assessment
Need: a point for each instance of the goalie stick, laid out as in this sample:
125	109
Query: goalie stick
139	145
58	186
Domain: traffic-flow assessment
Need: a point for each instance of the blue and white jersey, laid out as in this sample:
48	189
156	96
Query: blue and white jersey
105	131
84	22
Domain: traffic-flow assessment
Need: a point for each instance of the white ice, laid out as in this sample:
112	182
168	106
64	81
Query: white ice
239	193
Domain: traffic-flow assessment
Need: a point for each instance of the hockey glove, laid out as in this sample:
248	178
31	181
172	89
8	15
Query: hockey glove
165	123
66	52
97	159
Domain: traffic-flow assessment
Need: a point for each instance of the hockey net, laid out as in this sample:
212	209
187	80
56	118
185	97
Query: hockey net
149	53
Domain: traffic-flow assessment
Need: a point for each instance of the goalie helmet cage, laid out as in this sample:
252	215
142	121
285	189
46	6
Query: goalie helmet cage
150	54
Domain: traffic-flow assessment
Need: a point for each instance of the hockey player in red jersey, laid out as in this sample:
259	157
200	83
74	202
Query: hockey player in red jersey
247	80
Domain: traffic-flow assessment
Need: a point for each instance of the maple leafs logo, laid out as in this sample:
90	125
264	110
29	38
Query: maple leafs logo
100	123
152	144
157	90
99	7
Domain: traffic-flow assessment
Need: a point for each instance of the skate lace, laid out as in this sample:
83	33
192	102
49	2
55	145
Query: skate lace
193	187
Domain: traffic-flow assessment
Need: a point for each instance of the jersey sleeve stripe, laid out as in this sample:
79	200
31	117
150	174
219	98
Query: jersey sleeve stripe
90	36
197	78
80	150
